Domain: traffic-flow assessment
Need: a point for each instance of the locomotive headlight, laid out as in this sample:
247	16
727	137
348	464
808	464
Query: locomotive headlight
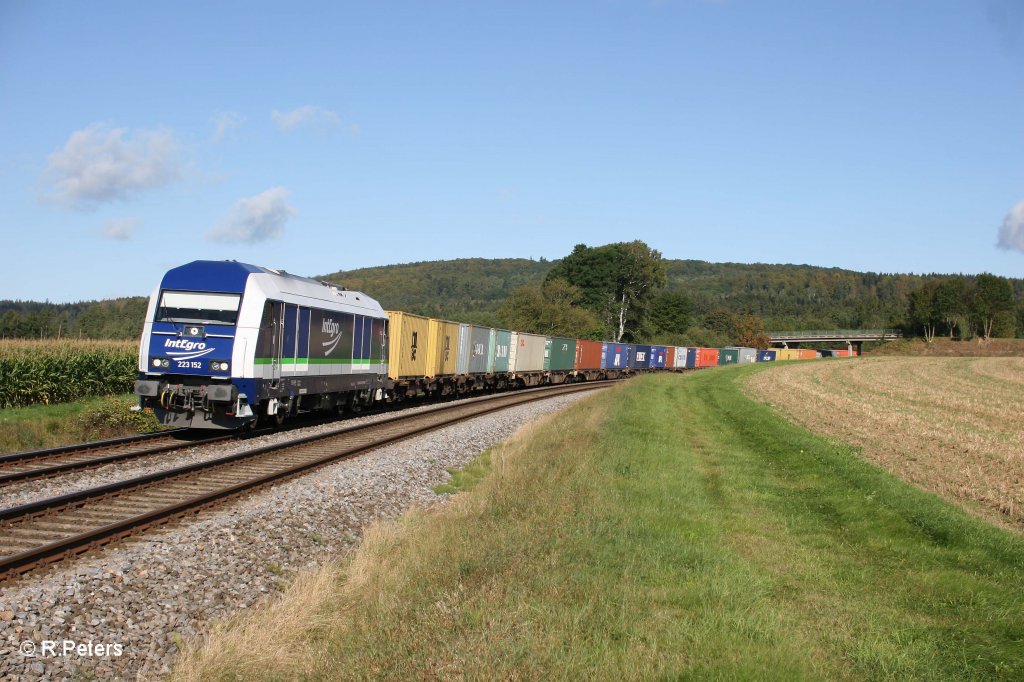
217	366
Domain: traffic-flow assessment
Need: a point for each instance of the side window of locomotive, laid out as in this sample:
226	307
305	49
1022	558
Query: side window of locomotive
267	321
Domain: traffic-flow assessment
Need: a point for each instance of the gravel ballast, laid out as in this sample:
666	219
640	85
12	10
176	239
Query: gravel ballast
142	598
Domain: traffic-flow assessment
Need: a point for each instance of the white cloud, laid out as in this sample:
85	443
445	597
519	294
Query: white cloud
224	121
305	116
99	164
256	219
1011	234
121	229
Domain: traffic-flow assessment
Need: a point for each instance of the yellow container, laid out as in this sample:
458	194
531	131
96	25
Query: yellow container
787	354
408	345
442	348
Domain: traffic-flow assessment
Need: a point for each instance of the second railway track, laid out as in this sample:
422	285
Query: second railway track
39	533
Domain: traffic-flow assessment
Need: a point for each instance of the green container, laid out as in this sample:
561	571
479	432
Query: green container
729	356
560	354
502	341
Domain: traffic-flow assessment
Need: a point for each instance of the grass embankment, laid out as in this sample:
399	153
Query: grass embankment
949	425
47	426
668	527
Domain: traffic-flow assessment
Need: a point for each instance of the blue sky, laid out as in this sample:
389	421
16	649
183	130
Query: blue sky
872	135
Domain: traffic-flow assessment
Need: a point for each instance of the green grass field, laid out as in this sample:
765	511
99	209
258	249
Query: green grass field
45	426
668	528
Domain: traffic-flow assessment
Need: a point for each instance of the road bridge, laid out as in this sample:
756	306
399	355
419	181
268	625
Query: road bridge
853	338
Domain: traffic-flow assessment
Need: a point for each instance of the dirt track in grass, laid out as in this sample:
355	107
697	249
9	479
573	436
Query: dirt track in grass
951	426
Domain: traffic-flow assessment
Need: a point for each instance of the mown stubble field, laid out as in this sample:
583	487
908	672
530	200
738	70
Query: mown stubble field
951	426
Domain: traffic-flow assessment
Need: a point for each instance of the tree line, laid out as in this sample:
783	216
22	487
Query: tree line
964	307
625	291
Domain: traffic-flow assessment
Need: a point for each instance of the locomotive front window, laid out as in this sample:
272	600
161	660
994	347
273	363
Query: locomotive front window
193	307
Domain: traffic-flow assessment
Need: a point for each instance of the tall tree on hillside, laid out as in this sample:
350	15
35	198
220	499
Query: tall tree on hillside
617	282
923	310
993	303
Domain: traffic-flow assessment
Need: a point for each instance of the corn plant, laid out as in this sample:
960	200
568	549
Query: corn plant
60	371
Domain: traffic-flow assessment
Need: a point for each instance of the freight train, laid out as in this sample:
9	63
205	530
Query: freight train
227	344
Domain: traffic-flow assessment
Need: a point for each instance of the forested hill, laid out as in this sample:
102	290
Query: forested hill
473	290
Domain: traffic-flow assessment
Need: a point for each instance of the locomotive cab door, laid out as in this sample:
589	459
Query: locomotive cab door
271	340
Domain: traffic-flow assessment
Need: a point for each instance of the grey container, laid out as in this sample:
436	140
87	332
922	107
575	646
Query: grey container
480	355
462	360
527	352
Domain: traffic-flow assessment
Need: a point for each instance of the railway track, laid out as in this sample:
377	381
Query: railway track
39	533
24	466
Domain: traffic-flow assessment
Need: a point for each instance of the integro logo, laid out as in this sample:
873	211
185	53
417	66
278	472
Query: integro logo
185	349
333	330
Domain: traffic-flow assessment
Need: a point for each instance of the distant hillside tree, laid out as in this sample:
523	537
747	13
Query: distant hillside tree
951	302
924	313
671	312
552	309
750	332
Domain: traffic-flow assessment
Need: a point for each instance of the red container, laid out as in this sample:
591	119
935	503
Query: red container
805	354
840	353
588	354
707	357
670	357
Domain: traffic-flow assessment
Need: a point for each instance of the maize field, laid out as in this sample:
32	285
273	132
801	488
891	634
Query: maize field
60	371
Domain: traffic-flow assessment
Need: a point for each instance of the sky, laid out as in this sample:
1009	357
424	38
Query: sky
873	135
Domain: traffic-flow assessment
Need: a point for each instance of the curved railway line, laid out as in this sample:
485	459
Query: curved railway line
42	532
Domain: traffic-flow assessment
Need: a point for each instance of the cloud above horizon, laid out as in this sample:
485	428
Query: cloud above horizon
121	229
100	164
223	121
1011	234
305	116
256	219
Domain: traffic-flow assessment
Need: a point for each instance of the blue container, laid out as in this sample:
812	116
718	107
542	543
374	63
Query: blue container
766	356
691	357
616	355
642	356
658	354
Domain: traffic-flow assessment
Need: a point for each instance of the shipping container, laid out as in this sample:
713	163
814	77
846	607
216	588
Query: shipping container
729	356
841	353
670	356
560	355
442	348
616	355
588	355
480	358
766	355
501	348
748	355
462	360
692	355
707	357
407	345
642	356
807	354
787	354
658	356
526	353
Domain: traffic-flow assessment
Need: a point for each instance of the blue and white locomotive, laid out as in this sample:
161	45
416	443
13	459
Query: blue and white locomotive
226	343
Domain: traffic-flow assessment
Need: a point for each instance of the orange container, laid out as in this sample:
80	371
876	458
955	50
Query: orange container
670	357
806	354
588	354
707	357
